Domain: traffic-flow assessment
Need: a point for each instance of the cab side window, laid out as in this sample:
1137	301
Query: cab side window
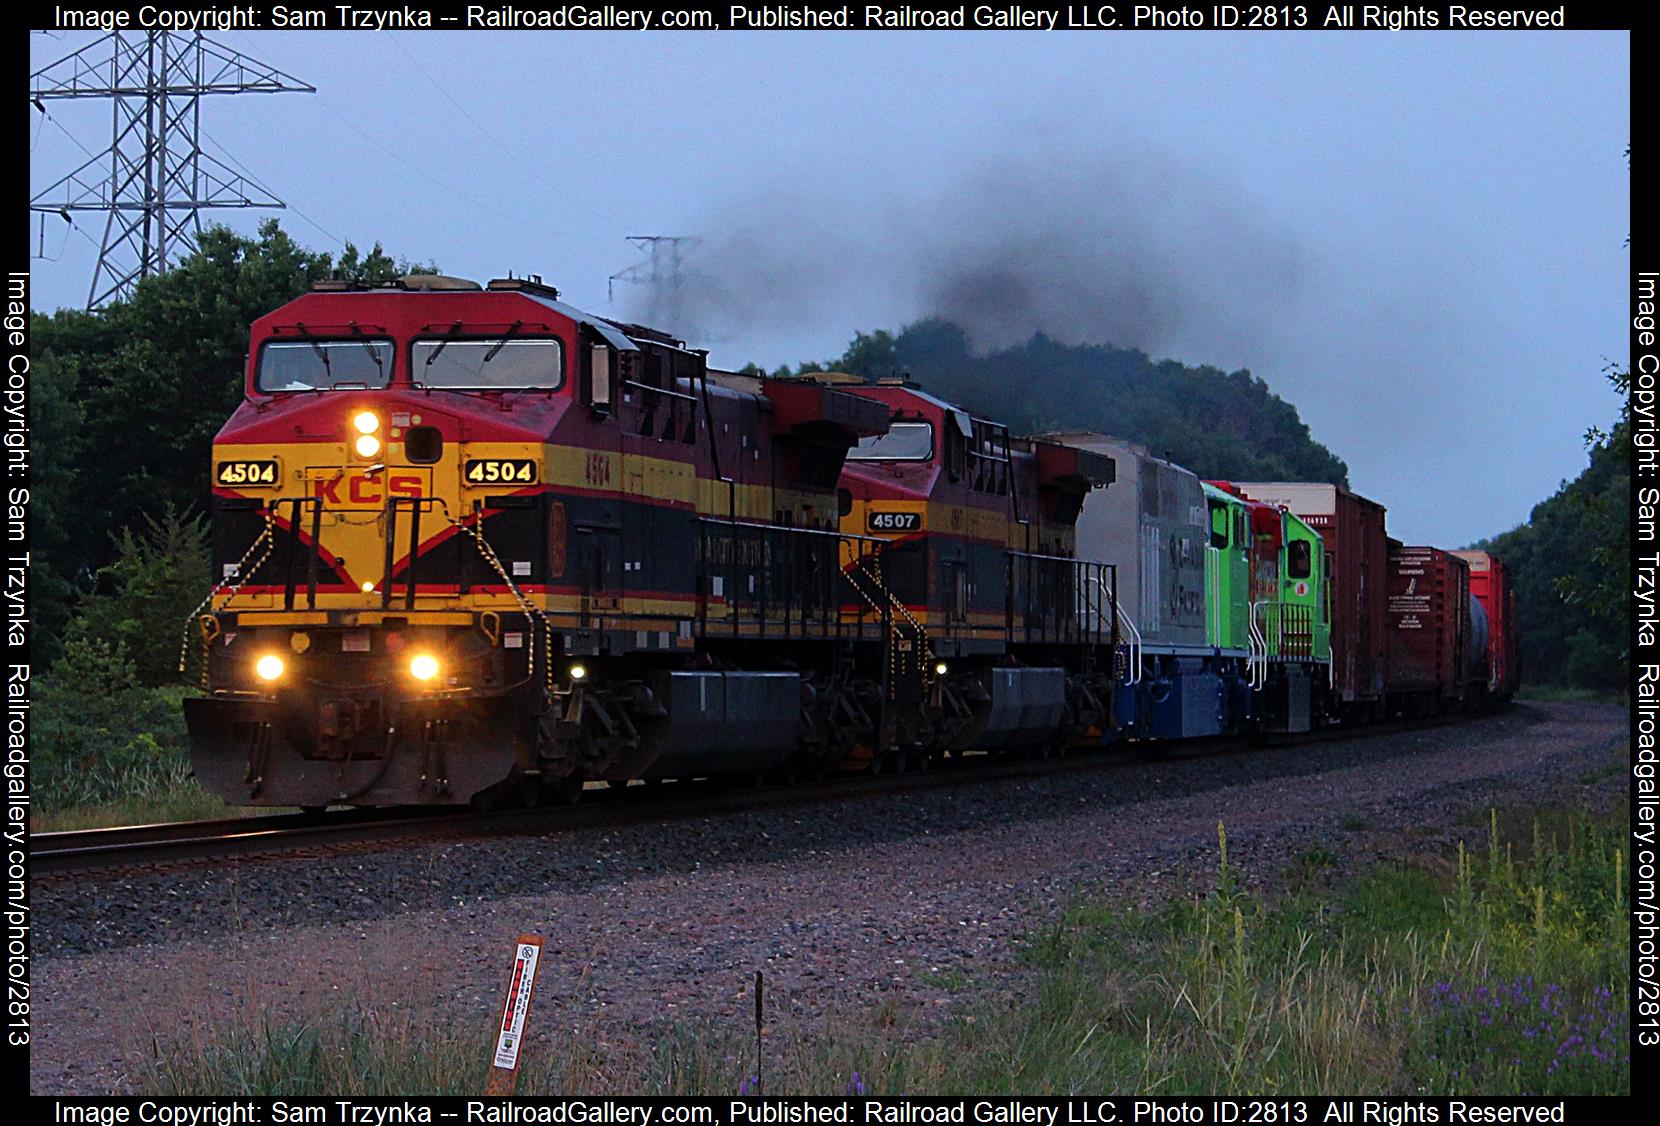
1219	525
1301	559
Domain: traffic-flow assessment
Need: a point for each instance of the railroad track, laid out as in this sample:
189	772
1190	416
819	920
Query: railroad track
224	837
301	833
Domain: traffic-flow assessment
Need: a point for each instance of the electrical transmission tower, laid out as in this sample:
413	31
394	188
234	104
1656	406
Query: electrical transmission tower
662	272
154	180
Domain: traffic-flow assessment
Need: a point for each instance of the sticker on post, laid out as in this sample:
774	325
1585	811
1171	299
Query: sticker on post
521	987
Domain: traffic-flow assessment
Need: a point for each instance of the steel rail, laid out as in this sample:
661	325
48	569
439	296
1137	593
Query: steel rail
619	806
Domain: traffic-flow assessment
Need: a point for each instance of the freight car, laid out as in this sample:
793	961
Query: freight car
474	544
1438	633
1490	586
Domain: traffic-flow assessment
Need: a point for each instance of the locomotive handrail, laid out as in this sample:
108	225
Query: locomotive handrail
767	524
1213	597
777	587
415	505
242	573
1057	622
659	390
1134	634
315	504
1258	659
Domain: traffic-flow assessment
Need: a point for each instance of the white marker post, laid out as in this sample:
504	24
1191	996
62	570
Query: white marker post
521	987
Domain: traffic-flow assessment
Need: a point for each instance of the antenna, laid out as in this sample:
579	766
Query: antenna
154	180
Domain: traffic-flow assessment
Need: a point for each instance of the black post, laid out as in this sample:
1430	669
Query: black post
759	1081
316	551
414	550
391	532
288	553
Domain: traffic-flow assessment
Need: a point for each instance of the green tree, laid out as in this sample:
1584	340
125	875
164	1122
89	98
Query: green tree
1568	566
159	576
1602	589
1219	424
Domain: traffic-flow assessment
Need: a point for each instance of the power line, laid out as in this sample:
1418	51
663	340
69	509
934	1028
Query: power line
245	169
520	220
506	150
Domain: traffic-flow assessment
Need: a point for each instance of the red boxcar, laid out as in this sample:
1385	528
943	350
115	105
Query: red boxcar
1490	585
1357	559
1429	628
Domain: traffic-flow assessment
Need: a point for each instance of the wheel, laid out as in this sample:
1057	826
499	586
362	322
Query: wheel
570	789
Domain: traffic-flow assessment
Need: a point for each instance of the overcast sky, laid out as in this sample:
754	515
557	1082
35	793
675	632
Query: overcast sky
1416	238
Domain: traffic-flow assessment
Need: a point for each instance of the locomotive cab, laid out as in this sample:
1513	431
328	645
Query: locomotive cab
1015	634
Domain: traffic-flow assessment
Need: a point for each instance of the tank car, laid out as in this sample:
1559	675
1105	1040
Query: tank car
1490	586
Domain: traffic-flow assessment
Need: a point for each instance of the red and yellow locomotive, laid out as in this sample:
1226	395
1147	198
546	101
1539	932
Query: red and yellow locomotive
473	543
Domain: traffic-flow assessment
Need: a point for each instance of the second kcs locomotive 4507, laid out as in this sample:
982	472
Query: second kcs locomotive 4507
472	543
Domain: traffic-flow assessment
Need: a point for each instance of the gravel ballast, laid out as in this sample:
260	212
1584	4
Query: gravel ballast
871	898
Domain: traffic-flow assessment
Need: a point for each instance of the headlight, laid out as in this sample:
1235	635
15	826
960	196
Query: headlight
367	445
269	667
424	667
368	587
367	422
579	672
941	669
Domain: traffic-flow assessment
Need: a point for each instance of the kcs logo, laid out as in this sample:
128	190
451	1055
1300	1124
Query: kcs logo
359	489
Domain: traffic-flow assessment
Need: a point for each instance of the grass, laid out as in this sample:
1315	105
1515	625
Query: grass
1556	693
108	756
183	800
1495	969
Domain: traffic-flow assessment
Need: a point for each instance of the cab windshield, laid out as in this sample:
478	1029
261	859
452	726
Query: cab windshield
499	362
323	365
904	441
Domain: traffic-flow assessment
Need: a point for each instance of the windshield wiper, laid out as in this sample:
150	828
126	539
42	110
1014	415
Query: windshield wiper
455	331
374	353
502	343
322	353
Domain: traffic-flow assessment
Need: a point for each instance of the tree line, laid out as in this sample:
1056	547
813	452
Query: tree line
1218	424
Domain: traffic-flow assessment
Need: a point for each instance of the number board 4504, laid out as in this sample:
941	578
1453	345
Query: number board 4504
500	471
247	473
